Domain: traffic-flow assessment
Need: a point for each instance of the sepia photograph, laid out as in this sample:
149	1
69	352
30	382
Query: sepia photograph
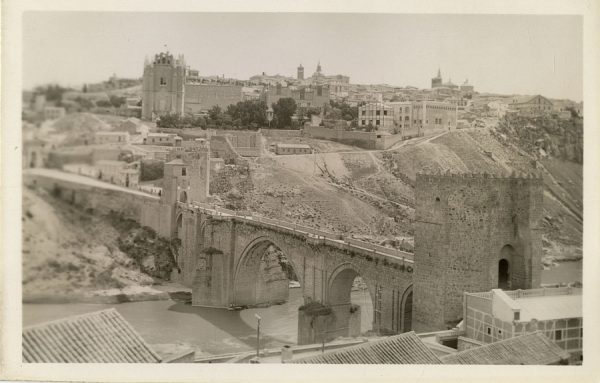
300	188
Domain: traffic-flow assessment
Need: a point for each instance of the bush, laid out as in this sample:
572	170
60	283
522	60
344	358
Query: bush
151	170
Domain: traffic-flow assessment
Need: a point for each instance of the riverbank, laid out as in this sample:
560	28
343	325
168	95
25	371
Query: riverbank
162	292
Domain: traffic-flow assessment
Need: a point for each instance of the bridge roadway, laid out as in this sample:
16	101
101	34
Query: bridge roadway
334	240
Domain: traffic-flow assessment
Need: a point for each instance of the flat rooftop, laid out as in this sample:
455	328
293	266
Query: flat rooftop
550	307
293	146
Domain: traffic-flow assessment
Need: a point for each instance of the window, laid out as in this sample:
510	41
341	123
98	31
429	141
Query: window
489	330
363	112
558	335
406	118
377	113
363	121
406	110
385	112
163	81
377	122
183	171
517	315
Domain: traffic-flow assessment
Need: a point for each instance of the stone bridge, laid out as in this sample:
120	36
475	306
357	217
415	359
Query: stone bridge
223	258
473	232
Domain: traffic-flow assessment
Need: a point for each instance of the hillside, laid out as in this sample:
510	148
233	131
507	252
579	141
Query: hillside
371	193
62	262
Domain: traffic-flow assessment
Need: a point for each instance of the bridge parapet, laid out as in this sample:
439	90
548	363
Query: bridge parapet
403	259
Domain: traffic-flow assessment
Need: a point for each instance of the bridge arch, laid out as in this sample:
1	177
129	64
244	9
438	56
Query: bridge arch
262	272
340	285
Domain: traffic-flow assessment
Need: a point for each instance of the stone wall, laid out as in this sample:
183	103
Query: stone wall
462	225
366	140
142	209
281	133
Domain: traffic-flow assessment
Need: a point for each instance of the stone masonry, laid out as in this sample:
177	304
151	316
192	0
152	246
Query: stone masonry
473	232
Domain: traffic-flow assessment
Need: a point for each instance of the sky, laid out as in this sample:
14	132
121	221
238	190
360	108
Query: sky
507	54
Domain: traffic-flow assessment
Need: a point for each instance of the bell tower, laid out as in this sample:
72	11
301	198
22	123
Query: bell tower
163	86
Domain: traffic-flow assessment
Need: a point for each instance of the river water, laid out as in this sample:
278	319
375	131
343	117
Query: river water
218	331
215	331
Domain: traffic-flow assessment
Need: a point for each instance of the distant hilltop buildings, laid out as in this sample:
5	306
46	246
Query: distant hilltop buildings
169	86
437	82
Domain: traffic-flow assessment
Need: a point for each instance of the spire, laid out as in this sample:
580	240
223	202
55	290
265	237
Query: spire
319	66
439	73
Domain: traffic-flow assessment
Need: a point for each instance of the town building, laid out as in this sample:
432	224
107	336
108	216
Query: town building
405	348
292	149
528	349
169	86
97	337
119	172
556	312
304	96
530	106
111	137
54	112
167	139
410	119
466	88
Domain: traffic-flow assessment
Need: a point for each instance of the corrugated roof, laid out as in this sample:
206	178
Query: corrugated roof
98	337
406	348
529	349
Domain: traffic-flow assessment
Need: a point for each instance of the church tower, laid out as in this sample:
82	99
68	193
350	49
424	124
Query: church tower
437	81
300	72
163	86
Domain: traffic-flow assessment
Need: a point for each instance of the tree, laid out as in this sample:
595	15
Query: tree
283	110
249	112
53	93
85	89
103	103
169	120
215	113
370	127
84	103
117	101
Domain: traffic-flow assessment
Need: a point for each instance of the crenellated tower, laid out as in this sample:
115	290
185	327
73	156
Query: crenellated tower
473	232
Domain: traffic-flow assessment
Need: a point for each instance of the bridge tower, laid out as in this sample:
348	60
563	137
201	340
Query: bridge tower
473	232
163	86
186	179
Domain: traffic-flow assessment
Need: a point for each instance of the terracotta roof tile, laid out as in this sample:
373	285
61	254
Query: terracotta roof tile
98	337
406	348
528	349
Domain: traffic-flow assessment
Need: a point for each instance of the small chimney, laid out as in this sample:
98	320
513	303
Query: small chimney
287	353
